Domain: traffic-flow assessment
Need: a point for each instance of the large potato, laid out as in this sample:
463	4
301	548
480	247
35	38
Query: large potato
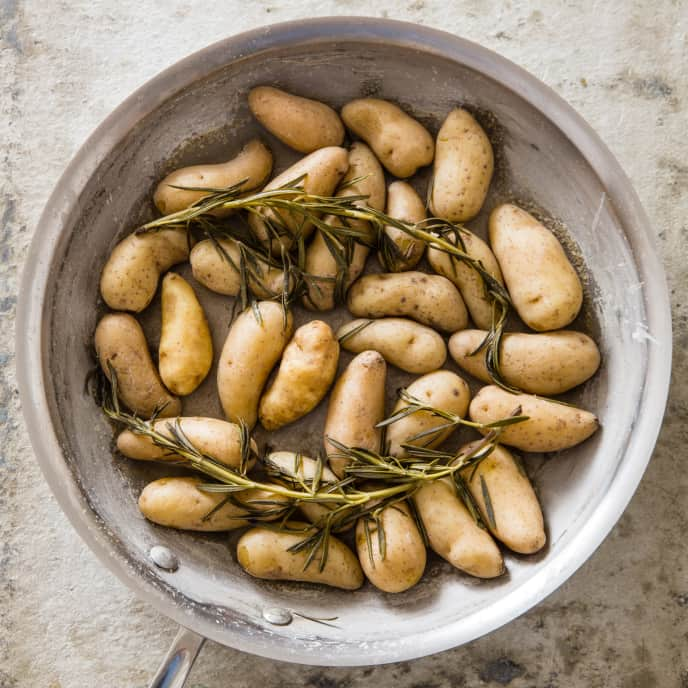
356	406
463	168
442	390
404	343
550	426
120	343
467	279
506	499
249	353
178	503
263	553
544	287
216	438
216	264
252	164
547	363
364	178
429	299
131	273
307	369
185	353
402	251
453	533
400	565
323	170
401	143
303	124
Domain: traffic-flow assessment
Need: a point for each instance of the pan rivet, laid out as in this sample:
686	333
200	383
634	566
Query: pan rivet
163	558
277	616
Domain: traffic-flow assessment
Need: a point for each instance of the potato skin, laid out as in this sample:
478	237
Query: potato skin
518	520
120	342
185	353
429	299
551	426
130	275
324	169
303	124
547	363
401	143
443	390
465	278
212	436
307	369
211	269
263	553
404	343
464	162
403	203
250	351
356	406
178	503
453	533
544	287
405	556
253	163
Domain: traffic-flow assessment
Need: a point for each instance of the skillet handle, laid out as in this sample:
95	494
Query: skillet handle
178	661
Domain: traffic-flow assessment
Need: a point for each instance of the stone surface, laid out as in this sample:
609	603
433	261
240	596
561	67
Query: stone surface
622	620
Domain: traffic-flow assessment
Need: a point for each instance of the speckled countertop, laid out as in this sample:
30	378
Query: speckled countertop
622	620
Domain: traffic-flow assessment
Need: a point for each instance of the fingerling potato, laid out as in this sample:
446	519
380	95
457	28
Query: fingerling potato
401	143
121	344
401	251
508	504
547	363
463	168
550	426
303	124
544	287
429	299
307	369
252	348
262	553
130	276
403	343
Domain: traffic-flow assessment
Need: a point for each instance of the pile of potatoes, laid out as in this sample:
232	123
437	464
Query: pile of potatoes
405	317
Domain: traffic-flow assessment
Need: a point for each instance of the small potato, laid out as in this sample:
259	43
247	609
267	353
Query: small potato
463	168
514	515
179	503
307	369
364	178
253	164
402	251
131	273
551	426
544	287
429	299
404	343
216	264
324	169
120	343
468	280
185	353
442	390
548	363
214	437
357	405
303	124
249	354
402	562
263	553
453	533
401	143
